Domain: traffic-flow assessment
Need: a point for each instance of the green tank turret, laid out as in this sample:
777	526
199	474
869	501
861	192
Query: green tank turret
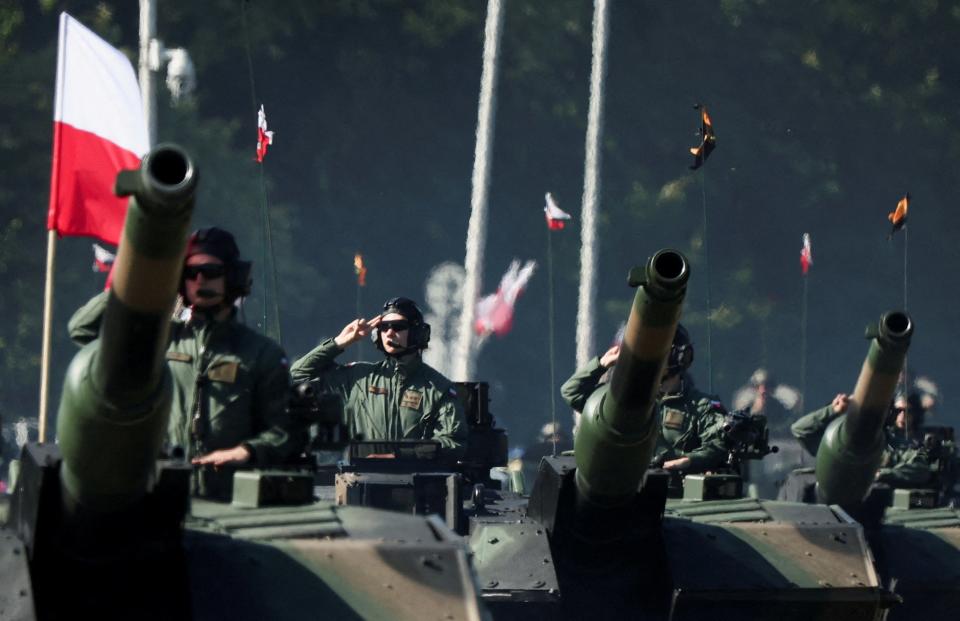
118	388
99	527
853	445
618	428
599	538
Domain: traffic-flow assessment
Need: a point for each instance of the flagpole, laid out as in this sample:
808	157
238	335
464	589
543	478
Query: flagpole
148	32
906	231
591	187
267	236
47	323
358	316
803	344
706	261
465	352
550	338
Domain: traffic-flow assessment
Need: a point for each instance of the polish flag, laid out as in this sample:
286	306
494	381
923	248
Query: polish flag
102	259
495	311
264	136
555	215
806	255
98	130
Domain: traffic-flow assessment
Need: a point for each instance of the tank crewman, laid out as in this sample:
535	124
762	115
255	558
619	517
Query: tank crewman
400	397
905	462
691	422
230	383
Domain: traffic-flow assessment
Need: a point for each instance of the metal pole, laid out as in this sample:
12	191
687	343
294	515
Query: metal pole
47	322
148	32
464	361
550	338
591	188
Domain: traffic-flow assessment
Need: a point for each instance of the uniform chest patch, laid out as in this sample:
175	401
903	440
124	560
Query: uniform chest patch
377	390
411	399
225	372
673	419
179	357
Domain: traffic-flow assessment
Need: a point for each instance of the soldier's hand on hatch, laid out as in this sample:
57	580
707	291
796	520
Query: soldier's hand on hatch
840	403
677	464
610	358
355	330
236	455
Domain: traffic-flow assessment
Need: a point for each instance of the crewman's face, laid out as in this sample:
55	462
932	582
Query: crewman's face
394	332
900	407
204	280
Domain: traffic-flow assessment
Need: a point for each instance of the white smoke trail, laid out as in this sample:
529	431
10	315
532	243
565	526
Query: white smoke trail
444	296
591	188
465	352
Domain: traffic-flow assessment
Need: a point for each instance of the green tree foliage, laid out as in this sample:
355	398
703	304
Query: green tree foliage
826	113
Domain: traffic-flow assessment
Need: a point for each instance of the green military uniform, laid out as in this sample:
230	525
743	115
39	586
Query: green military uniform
809	429
576	390
691	422
691	425
390	400
230	387
905	463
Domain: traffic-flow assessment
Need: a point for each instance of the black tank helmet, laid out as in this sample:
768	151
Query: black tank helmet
418	334
681	352
221	244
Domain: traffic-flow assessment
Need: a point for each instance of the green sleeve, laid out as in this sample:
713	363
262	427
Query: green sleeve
278	440
451	427
318	363
809	429
581	384
910	468
84	325
711	453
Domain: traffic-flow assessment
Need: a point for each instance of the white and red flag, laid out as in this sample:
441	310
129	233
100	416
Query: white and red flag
555	215
806	255
495	311
102	259
98	130
264	136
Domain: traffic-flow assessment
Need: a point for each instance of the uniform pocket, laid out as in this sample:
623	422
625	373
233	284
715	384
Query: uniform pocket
230	414
412	422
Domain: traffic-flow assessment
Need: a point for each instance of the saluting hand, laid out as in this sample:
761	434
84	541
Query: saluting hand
610	357
355	330
840	403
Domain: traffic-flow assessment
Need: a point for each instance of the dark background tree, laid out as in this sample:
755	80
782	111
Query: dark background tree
826	113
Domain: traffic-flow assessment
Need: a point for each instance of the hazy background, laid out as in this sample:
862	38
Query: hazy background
825	113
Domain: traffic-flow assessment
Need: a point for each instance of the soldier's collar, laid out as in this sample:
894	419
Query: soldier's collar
405	364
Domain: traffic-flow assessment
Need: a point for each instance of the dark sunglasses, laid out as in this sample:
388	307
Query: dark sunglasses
209	271
397	326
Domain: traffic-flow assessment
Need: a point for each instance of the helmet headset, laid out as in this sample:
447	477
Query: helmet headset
681	352
220	243
418	334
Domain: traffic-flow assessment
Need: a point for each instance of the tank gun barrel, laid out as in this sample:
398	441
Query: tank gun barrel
116	397
852	446
618	428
